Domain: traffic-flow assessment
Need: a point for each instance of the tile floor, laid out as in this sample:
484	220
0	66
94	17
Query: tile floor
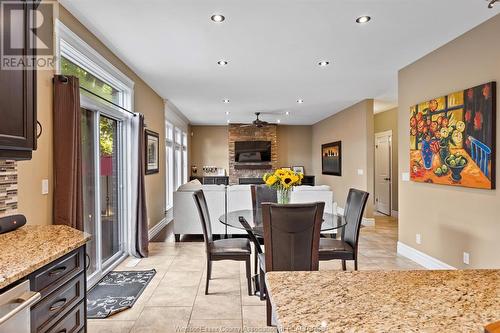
175	301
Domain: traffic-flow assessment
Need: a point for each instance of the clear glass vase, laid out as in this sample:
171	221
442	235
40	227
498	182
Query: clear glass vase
283	196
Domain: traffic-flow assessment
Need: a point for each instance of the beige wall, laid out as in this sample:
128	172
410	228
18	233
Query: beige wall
294	147
38	207
451	219
385	121
354	127
209	146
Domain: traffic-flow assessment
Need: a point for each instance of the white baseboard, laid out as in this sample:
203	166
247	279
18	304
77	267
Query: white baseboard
367	221
395	213
421	258
158	227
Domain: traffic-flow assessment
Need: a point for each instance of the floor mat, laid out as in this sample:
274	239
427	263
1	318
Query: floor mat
116	292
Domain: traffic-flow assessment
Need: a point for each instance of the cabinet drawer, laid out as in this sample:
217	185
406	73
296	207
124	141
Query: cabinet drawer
73	322
55	274
53	306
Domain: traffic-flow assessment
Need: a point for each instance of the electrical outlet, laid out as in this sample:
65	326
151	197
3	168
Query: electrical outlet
45	186
418	238
361	172
466	258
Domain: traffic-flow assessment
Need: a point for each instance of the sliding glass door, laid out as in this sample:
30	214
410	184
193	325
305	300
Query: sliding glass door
102	174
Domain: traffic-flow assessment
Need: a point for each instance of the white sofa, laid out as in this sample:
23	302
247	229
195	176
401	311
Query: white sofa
239	197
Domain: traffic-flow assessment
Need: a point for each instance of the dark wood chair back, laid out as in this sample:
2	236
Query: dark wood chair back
355	206
201	204
263	193
291	235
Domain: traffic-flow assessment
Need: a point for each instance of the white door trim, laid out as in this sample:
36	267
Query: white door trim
379	135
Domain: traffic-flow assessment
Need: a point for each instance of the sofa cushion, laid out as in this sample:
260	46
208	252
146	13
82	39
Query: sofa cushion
312	188
191	186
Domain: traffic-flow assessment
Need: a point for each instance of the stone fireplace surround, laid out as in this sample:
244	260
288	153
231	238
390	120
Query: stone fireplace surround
237	132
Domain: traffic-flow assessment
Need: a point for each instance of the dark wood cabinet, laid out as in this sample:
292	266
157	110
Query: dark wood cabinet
18	124
212	180
62	284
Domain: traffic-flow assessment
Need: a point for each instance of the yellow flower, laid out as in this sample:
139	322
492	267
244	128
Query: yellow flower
271	180
280	172
460	126
444	132
457	137
286	181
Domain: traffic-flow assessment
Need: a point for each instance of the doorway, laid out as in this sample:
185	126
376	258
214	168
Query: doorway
383	172
102	169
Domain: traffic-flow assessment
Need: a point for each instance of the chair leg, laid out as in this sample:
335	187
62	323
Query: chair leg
269	312
256	262
209	275
262	285
343	265
356	264
249	276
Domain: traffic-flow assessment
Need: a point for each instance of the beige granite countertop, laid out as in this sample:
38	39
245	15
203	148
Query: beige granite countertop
385	301
29	248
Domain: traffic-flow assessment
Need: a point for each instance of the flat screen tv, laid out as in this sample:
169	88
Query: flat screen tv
252	151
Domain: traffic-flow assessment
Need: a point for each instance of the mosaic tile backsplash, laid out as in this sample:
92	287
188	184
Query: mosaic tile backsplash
8	187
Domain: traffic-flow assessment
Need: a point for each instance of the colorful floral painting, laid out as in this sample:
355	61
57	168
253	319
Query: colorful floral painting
452	139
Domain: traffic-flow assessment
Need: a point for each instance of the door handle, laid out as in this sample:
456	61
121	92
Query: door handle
387	178
25	301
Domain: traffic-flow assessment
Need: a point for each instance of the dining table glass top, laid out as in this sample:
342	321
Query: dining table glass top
251	220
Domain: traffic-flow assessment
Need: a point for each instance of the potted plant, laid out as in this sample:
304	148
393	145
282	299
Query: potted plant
283	181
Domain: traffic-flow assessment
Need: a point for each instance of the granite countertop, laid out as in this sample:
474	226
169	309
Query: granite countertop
31	247
385	301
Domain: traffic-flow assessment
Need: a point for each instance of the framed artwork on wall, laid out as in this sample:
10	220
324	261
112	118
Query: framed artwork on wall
331	158
298	169
452	139
152	152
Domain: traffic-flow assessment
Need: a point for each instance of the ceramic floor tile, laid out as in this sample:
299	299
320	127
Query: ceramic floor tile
162	320
217	306
215	326
106	326
165	295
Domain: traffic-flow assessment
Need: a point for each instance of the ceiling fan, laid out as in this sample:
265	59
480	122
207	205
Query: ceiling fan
257	122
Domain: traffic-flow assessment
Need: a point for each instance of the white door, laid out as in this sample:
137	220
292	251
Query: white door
383	172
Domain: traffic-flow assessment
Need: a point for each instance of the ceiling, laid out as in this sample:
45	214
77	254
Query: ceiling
273	48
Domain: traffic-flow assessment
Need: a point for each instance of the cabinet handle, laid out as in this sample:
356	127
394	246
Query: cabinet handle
58	304
39	125
87	266
57	271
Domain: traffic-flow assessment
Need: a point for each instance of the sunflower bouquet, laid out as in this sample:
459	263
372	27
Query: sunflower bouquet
283	181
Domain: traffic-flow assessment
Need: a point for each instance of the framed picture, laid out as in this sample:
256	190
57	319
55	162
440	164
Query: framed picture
298	169
452	138
331	158
152	152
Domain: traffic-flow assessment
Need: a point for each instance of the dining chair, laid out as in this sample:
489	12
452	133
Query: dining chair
492	328
291	236
261	194
346	248
223	249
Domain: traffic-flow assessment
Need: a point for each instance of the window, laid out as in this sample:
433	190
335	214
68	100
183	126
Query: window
177	159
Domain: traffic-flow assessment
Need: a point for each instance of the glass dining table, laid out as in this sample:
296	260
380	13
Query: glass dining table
250	220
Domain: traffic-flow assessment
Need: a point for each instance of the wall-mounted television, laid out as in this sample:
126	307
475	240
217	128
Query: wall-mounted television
252	151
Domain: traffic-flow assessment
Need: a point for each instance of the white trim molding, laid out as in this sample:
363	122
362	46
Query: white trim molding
421	258
155	230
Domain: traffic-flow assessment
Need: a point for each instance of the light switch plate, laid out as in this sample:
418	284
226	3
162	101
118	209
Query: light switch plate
45	186
466	258
418	238
361	172
405	176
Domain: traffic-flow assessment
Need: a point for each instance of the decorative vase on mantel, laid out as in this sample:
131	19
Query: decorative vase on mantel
283	181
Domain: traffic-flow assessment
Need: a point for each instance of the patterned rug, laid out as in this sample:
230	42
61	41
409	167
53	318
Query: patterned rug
116	292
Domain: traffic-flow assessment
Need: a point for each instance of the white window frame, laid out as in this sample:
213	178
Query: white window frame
173	173
75	49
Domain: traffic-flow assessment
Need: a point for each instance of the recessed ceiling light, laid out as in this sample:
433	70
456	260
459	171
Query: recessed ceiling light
363	19
226	101
300	101
222	62
278	121
287	113
217	18
227	113
228	121
324	63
